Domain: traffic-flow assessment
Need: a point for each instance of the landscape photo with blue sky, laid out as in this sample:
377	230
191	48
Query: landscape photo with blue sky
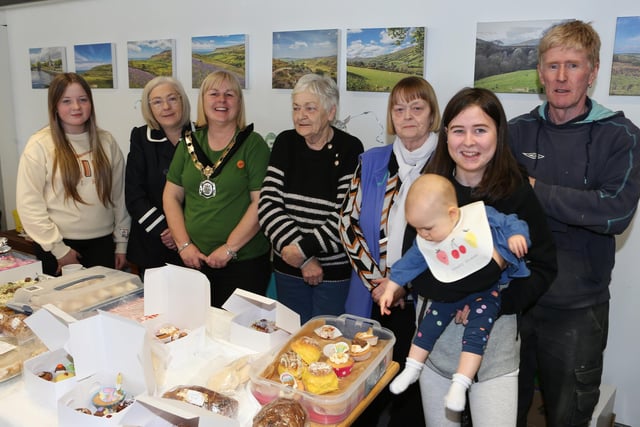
625	67
95	63
213	53
148	59
296	53
377	58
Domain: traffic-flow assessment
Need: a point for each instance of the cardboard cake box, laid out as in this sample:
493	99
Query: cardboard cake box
104	346
249	308
159	412
178	297
16	266
52	327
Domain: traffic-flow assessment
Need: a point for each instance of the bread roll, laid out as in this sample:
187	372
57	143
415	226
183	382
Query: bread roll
281	412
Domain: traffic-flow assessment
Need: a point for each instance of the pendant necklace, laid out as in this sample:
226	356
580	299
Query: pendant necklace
207	188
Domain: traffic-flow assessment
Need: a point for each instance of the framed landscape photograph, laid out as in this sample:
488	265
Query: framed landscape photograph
148	59
45	63
212	53
296	53
95	62
625	67
377	58
507	55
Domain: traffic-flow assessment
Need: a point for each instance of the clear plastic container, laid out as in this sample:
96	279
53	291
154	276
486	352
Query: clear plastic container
333	407
78	292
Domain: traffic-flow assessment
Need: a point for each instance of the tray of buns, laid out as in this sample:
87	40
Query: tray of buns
329	366
77	292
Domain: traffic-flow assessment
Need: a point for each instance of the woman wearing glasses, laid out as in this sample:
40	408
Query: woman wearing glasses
165	109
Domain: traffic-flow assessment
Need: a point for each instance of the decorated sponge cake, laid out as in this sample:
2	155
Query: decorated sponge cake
308	349
320	378
292	363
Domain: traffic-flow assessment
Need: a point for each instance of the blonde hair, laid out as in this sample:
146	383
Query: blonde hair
65	161
575	35
147	113
437	191
214	80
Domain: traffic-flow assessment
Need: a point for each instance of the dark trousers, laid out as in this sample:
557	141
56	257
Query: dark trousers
564	348
325	299
252	275
404	409
92	252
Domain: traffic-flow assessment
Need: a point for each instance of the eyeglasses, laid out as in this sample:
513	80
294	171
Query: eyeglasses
158	103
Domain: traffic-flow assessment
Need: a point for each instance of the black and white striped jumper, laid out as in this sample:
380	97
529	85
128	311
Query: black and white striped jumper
301	198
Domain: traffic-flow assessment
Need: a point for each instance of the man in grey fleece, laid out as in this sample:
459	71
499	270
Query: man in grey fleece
583	162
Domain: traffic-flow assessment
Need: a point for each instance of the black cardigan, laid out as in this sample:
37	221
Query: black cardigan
150	154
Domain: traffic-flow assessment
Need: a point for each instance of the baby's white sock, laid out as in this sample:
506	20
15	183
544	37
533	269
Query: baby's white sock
408	376
457	396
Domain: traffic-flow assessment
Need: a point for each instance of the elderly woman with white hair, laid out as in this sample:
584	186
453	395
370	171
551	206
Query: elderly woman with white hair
299	209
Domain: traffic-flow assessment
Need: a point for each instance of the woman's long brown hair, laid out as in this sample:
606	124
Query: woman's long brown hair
65	161
502	175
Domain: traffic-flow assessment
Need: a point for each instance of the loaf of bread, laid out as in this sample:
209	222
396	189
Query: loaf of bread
213	401
281	412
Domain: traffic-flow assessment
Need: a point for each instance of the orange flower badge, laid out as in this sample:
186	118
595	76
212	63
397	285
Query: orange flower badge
240	164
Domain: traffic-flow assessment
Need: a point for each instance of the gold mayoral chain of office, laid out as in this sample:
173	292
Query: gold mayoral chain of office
207	188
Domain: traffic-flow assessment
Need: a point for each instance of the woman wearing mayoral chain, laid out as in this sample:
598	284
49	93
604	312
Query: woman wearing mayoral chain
211	195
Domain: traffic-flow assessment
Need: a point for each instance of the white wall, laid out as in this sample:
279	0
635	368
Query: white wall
449	66
8	141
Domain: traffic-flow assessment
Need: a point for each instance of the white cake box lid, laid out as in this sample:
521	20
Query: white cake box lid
152	411
248	308
104	346
53	331
179	297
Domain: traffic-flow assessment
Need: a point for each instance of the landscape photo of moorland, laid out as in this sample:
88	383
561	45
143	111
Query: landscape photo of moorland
377	58
95	63
213	53
625	67
296	53
507	55
148	59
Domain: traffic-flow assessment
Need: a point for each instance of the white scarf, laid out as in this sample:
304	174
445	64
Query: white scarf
410	163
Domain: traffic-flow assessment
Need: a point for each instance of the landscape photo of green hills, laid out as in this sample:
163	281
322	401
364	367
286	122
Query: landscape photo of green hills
296	53
213	53
506	55
95	63
377	58
625	67
625	74
149	59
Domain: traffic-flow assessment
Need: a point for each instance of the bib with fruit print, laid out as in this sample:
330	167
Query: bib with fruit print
467	249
